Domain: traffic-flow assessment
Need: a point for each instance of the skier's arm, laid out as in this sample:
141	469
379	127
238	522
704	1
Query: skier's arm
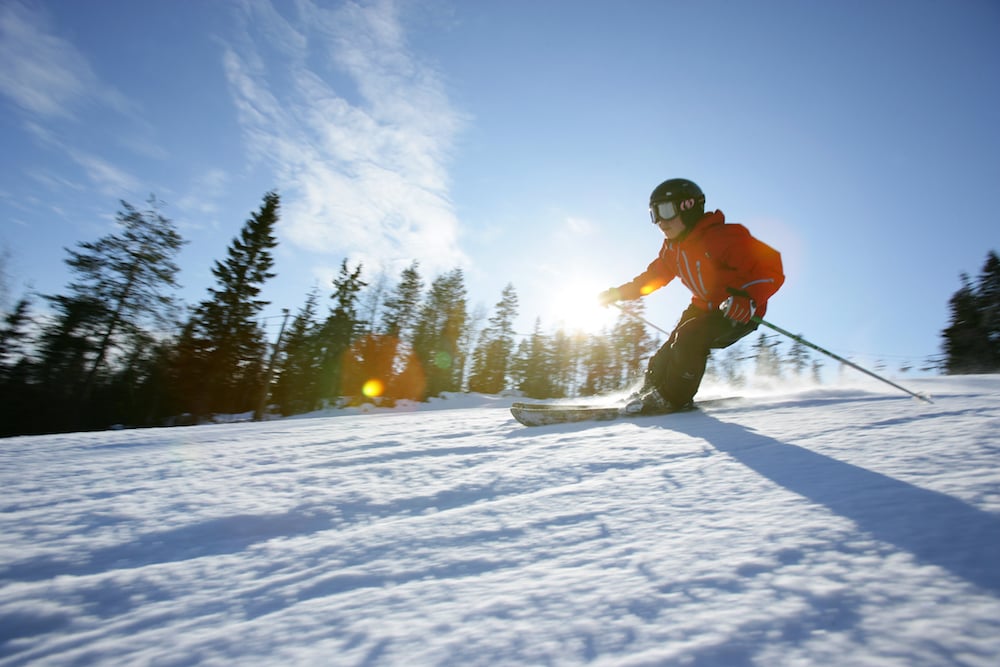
656	275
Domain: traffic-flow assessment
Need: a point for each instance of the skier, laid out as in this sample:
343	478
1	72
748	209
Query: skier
731	275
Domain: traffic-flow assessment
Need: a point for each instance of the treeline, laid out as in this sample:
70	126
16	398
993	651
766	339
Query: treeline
117	347
972	338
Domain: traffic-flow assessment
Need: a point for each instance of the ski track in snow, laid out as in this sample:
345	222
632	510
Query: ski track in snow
832	526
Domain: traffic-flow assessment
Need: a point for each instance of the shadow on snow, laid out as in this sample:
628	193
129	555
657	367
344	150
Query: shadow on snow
935	528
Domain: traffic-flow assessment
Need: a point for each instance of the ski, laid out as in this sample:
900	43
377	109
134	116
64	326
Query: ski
566	406
544	414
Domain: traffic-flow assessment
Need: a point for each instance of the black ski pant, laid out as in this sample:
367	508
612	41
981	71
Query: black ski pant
678	366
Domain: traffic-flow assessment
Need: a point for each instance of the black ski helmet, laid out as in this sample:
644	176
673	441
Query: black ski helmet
685	195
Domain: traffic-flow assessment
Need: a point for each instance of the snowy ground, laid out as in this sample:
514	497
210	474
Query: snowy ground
849	526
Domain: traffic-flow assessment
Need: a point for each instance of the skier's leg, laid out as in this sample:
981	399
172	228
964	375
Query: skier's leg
675	370
678	367
684	365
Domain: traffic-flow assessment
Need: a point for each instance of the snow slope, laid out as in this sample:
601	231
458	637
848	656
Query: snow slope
847	526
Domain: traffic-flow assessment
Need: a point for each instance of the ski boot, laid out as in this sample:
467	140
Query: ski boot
647	402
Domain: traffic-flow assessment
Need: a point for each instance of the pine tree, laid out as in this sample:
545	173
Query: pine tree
766	356
972	339
438	332
965	343
519	365
18	394
731	365
602	372
492	357
119	298
405	377
144	387
14	337
339	332
297	388
534	365
798	358
402	306
989	304
817	371
222	348
632	343
67	347
564	366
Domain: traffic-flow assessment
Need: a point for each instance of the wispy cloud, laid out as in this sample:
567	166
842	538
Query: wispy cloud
111	180
199	205
52	83
360	132
42	73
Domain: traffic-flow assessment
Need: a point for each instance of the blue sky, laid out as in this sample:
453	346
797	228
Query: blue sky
520	140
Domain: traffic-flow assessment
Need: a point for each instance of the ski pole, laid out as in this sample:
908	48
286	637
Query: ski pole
640	318
803	341
797	339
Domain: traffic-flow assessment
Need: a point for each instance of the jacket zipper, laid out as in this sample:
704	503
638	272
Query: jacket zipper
697	286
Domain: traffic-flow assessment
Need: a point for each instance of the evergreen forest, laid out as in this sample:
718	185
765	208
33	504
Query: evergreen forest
117	349
972	339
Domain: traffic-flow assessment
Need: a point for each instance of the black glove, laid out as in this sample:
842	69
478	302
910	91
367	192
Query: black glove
739	308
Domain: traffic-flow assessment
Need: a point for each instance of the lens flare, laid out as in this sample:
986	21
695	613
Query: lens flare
442	359
576	308
650	287
373	388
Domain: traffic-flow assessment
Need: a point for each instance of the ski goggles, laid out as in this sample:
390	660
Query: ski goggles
663	210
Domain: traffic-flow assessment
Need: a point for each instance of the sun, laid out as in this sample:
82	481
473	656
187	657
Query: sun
575	309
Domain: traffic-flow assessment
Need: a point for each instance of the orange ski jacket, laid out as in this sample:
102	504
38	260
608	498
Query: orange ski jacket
714	260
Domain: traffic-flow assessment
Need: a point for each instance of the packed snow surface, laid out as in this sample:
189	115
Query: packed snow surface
823	526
